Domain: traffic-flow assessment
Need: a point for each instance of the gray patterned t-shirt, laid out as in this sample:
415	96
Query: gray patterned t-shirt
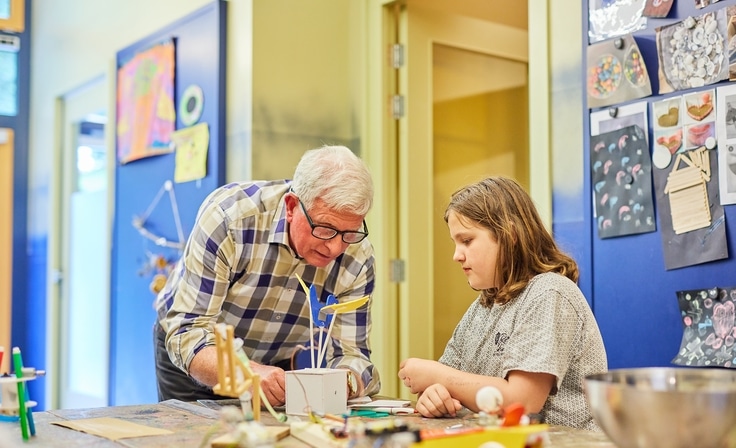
548	328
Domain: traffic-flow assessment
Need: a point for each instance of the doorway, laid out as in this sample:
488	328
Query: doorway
465	92
80	255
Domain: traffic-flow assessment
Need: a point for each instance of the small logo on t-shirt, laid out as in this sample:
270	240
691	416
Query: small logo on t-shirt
501	339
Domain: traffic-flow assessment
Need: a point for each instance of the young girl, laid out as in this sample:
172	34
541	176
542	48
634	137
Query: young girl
530	333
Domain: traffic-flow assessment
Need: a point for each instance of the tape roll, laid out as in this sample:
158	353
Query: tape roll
191	105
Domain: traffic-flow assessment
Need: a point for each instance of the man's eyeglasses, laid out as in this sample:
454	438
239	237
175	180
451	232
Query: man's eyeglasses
327	233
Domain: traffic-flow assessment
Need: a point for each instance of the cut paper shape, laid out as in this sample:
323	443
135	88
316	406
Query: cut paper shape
691	52
688	193
700	107
191	145
616	73
708	320
661	157
672	142
622	185
191	105
145	104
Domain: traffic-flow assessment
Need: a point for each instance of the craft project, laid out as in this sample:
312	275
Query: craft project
696	246
315	389
139	222
16	404
621	176
708	321
691	53
616	73
688	192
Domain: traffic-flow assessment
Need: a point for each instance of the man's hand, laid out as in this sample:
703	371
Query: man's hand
436	401
273	383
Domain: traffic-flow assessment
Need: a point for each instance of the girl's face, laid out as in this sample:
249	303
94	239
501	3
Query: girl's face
476	250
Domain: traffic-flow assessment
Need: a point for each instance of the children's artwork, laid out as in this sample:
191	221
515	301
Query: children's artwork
616	73
708	321
726	127
691	52
731	33
145	104
667	128
622	184
657	8
682	247
612	18
191	152
615	118
688	192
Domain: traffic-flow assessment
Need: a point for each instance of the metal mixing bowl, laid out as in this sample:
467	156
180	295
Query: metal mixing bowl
655	407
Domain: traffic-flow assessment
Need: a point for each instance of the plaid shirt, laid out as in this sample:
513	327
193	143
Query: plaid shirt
238	268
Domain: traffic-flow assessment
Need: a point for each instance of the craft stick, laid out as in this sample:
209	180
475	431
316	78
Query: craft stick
2	352
327	341
311	320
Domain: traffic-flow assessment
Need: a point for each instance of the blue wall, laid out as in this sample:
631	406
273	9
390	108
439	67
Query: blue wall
633	296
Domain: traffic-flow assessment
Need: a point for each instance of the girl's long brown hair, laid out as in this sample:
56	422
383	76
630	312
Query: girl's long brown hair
526	248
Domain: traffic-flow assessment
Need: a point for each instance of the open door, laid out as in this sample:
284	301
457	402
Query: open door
79	318
462	114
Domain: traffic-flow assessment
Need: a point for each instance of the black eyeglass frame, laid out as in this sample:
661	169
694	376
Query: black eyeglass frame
334	232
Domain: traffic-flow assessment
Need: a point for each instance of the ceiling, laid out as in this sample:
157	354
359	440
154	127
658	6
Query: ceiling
513	14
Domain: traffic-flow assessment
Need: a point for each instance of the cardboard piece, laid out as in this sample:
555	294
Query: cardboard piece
111	428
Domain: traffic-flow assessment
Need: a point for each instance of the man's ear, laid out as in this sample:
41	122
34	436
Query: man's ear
290	202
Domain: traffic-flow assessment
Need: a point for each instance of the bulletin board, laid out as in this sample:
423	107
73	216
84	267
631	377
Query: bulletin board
635	296
153	210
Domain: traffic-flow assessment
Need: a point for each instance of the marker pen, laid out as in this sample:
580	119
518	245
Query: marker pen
18	363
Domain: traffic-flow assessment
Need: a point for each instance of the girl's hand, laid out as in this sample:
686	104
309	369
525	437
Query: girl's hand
437	402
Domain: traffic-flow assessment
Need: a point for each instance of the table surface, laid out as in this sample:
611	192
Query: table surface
191	422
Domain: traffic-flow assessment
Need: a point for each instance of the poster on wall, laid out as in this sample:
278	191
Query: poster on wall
692	52
726	103
612	18
619	117
708	316
146	114
679	203
622	183
616	73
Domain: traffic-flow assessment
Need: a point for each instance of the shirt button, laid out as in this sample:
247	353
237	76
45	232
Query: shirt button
278	317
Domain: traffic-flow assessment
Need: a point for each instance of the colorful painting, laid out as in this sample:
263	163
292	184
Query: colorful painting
145	104
622	183
709	327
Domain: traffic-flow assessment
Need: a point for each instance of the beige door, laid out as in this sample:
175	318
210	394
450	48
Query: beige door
464	85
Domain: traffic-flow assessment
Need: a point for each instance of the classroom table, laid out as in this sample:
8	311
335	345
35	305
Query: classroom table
191	422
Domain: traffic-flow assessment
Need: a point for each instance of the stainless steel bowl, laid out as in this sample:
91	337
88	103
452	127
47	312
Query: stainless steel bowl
665	407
